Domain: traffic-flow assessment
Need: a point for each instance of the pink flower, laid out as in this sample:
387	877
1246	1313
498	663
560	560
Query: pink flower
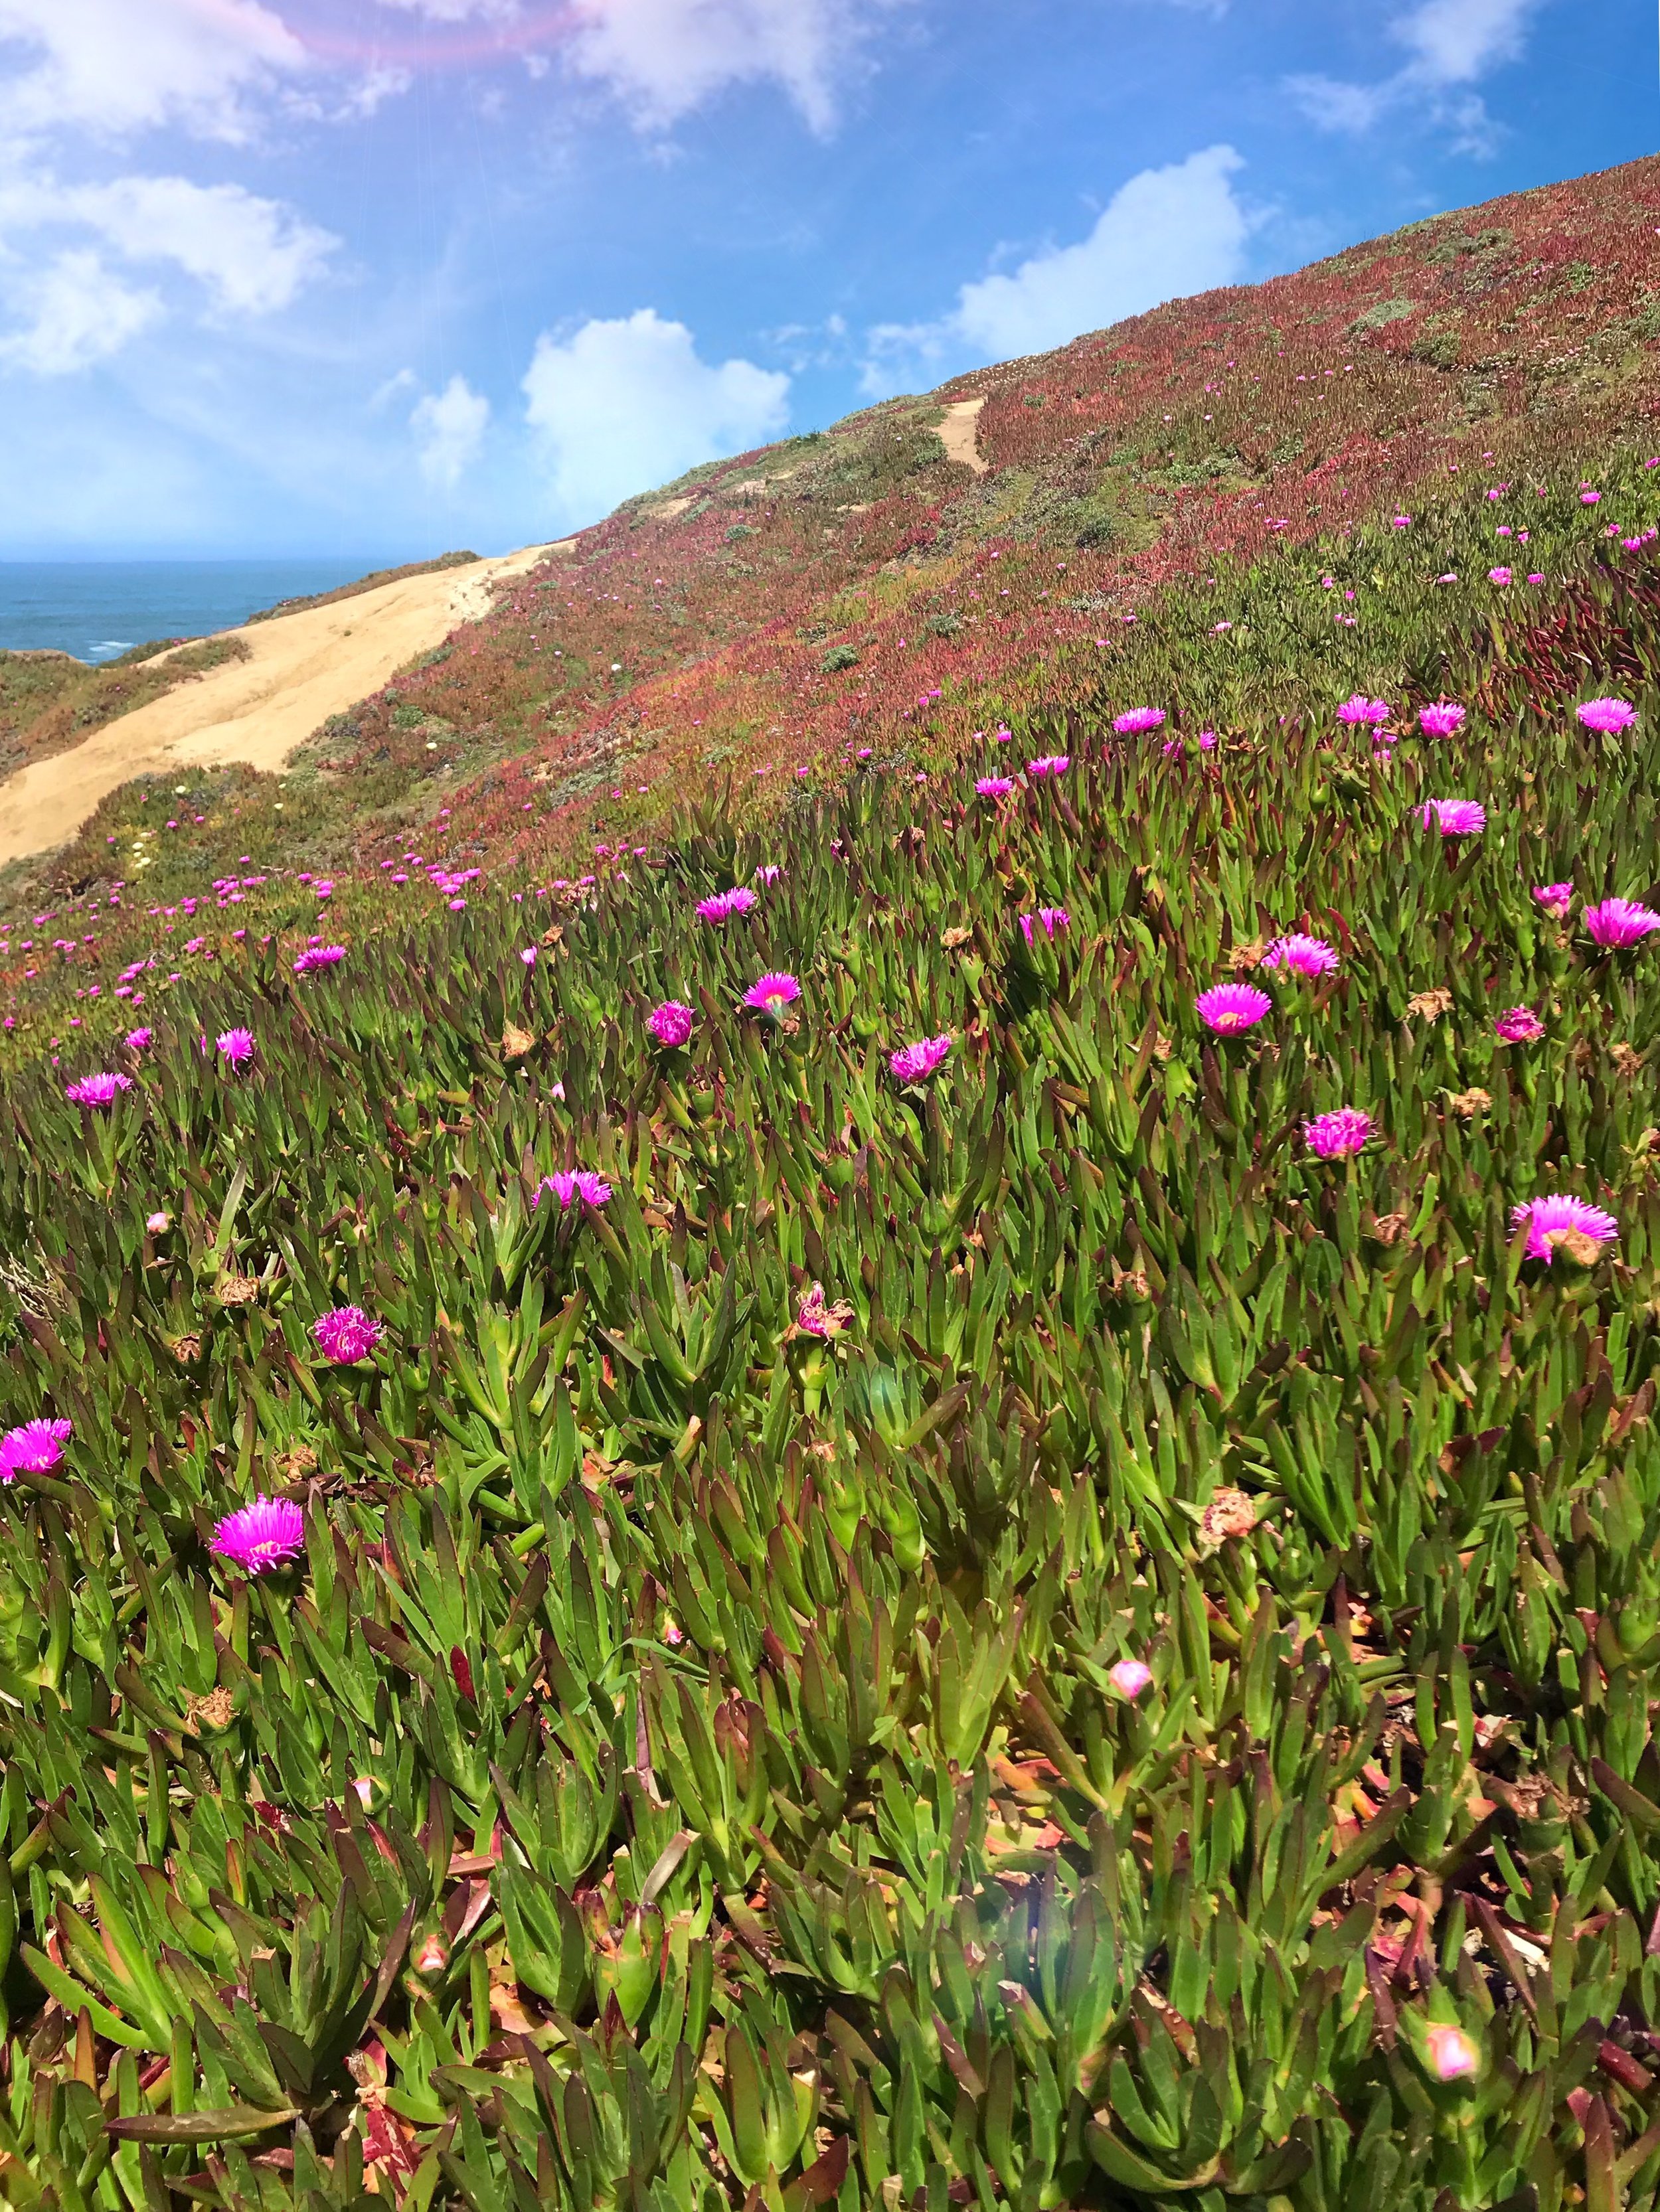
1334	1136
1552	1221
994	787
528	955
33	1448
1227	1008
1443	719
1609	716
1590	498
725	904
1455	817
1619	921
1498	575
1207	741
1359	709
775	990
346	1336
1050	764
1138	719
1049	919
1520	1026
320	956
671	1024
261	1536
137	1040
768	872
1452	2054
1401	522
97	1090
1129	1677
1303	956
158	1224
1555	898
236	1046
915	1063
567	1186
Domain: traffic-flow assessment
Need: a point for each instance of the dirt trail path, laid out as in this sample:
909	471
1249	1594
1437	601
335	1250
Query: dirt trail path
957	434
301	668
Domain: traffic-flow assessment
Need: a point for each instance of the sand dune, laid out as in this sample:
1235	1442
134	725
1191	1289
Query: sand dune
959	436
301	668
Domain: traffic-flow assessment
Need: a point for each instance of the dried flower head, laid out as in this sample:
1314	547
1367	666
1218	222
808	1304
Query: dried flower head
1468	1104
1230	1513
1430	1005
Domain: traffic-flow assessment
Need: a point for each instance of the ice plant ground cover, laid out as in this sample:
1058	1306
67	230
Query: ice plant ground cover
599	1610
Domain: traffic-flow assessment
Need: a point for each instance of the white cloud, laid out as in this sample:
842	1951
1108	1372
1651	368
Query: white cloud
624	405
1452	43
1165	233
253	255
665	58
124	65
449	430
80	314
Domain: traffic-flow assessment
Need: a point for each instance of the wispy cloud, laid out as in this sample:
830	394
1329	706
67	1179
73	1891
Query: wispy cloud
1451	45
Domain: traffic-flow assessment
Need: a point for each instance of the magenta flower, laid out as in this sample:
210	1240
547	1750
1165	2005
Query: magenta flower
1443	719
346	1336
775	991
768	872
1050	764
235	1047
323	956
1455	817
1138	720
1555	898
671	1024
261	1536
1520	1026
994	787
725	904
1334	1136
97	1090
1552	1221
1619	921
1451	2054
1227	1008
1359	709
137	1040
1207	741
1498	575
1609	716
1303	956
1129	1677
568	1185
915	1063
33	1448
1049	918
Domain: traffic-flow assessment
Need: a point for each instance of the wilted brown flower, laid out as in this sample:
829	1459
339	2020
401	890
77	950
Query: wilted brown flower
1627	1058
1431	1005
233	1290
1244	957
217	1710
1469	1102
1389	1228
515	1041
951	939
1230	1513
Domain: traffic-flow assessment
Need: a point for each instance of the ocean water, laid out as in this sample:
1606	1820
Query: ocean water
98	609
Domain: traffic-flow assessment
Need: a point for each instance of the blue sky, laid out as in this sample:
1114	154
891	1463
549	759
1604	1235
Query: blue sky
385	276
